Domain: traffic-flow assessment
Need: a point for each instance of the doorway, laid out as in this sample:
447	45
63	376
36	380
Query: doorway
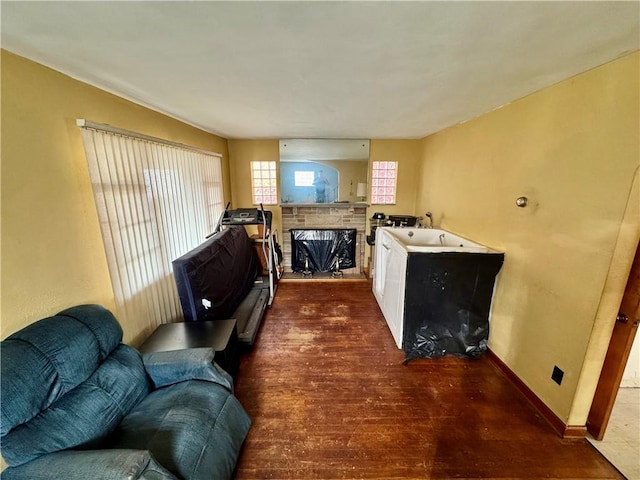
615	410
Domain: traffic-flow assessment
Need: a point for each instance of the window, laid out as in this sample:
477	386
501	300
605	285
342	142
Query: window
263	183
156	201
303	178
383	182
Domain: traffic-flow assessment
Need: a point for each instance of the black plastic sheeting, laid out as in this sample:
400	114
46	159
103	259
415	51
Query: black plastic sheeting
321	247
447	303
221	271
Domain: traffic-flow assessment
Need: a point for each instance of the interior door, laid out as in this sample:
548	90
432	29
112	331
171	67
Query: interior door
617	354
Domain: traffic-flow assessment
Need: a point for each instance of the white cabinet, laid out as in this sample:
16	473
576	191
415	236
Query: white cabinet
389	282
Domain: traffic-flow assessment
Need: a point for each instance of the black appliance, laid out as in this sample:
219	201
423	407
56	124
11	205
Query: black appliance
402	221
379	219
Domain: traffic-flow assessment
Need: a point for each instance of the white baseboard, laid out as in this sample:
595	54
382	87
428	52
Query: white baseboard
630	383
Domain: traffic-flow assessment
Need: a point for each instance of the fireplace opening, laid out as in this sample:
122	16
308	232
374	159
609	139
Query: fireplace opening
323	250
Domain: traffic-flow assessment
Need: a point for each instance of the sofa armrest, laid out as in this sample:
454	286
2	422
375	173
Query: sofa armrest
167	368
84	464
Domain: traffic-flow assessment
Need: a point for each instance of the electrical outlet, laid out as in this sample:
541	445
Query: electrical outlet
557	375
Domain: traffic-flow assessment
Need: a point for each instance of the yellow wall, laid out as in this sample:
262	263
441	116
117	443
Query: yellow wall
241	154
52	250
572	149
409	157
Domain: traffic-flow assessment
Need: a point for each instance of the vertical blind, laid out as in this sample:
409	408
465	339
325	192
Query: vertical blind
156	200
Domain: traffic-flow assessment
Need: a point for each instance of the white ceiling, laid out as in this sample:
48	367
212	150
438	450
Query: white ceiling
321	69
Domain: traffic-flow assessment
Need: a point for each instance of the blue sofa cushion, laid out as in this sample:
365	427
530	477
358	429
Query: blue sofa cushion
51	357
195	429
167	368
91	464
86	414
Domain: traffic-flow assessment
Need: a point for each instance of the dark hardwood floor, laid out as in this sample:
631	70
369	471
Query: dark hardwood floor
330	398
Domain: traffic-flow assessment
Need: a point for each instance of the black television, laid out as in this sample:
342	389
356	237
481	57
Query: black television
215	277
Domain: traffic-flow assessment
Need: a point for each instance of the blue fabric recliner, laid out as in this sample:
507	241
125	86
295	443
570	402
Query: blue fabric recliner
76	403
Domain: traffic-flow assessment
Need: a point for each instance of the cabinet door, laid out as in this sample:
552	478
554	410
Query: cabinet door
379	275
393	295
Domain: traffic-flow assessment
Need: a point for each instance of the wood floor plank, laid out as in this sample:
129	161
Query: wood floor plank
330	399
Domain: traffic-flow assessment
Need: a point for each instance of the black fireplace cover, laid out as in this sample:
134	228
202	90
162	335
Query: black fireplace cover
326	249
447	303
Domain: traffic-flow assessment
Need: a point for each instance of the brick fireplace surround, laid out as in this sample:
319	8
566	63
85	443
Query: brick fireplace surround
331	215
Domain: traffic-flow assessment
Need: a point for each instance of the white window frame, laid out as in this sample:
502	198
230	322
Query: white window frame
384	182
264	182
